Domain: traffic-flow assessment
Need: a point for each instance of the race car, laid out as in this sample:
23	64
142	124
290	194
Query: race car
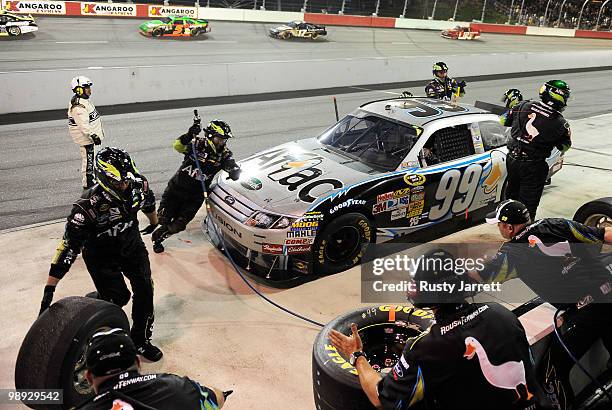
399	169
298	29
461	33
15	24
174	26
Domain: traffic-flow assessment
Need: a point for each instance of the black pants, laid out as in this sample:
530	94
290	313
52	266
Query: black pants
526	180
584	327
176	209
108	274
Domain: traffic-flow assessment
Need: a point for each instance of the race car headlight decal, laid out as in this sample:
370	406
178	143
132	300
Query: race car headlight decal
261	220
283	223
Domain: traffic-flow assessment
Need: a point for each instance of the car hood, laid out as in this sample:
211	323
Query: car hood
289	178
281	28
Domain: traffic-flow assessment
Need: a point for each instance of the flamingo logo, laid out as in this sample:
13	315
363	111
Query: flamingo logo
121	405
531	130
556	249
507	375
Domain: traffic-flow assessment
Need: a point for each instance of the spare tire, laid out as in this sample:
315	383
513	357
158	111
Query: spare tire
51	355
597	213
384	330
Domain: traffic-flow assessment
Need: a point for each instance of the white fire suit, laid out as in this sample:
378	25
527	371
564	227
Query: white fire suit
83	122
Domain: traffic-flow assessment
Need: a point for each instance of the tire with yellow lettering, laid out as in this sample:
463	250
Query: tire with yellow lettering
52	353
342	243
384	330
597	213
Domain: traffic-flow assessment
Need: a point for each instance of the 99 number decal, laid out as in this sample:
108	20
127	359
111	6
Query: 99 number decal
454	183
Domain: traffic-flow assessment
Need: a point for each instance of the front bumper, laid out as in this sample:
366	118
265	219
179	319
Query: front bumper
260	252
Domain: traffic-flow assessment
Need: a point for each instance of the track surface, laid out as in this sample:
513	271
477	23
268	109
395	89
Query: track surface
64	43
39	163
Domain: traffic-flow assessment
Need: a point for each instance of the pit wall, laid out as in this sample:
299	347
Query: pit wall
144	11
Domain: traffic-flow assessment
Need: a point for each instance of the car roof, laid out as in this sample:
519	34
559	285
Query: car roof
401	114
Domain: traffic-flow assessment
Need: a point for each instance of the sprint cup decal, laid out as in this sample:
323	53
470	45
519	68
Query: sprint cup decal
34	7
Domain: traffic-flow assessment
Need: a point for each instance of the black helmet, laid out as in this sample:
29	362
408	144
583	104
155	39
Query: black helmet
437	268
218	128
114	165
512	97
555	93
439	66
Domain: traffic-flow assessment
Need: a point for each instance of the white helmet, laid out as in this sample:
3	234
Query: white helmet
79	82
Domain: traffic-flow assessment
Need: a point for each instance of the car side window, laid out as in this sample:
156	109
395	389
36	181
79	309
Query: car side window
448	144
178	22
494	135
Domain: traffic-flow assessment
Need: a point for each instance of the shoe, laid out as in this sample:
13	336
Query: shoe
149	351
548	182
93	295
158	247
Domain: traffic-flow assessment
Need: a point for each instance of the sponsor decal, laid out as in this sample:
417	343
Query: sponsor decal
230	200
272	248
416	212
115	213
165	11
416	205
313	215
298	249
301	225
404	201
300	241
409	164
492	179
346	204
300	266
416	189
398	213
398	371
336	358
115	230
388	205
302	234
414	179
108	9
36	7
401	192
384	197
417	197
104	207
414	221
252	183
295	170
227	226
79	217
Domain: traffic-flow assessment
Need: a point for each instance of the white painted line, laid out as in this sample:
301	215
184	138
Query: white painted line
82	42
403	42
95	68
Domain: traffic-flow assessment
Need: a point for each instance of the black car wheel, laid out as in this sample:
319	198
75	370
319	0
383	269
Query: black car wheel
342	243
383	330
14	30
314	36
157	32
195	32
52	354
285	35
597	213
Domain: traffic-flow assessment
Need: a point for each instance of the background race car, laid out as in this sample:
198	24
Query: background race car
15	24
298	29
461	33
175	27
399	169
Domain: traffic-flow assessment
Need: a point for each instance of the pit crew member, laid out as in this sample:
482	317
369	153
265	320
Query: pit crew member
103	224
442	86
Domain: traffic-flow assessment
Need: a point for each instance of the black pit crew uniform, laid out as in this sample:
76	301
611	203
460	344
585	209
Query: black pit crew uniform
457	364
443	89
536	129
579	283
159	391
184	195
106	229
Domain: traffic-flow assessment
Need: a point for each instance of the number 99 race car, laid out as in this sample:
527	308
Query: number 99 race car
174	27
298	29
461	33
15	24
398	169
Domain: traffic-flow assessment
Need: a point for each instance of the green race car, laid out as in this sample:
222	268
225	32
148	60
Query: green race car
174	26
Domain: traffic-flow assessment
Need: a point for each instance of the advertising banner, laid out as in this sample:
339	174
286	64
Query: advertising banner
165	11
108	9
34	7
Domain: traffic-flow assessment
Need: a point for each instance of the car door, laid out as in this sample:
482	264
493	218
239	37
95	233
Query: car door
177	26
462	175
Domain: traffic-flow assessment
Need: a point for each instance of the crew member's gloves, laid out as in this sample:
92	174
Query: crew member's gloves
96	140
234	173
406	94
47	298
462	84
194	130
149	229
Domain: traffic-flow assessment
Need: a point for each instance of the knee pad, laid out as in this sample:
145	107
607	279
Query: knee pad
178	225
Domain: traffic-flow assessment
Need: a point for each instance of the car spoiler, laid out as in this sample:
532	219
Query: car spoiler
493	108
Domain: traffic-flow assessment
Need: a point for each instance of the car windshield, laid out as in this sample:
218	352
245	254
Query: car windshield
293	24
374	141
